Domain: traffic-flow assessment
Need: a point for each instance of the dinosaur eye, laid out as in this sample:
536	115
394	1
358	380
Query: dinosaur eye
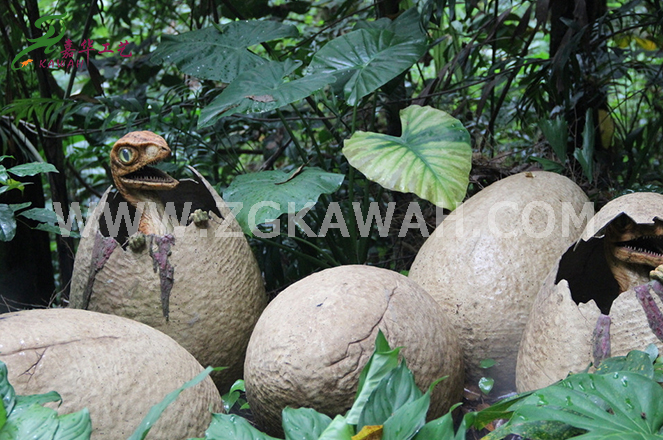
126	155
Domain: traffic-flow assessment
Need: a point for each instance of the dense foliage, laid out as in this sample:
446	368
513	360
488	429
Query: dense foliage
240	87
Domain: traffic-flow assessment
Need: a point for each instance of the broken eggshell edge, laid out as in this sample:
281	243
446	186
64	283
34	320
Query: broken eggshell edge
559	335
217	292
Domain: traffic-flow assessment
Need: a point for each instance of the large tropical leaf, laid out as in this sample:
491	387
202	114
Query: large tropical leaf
621	405
267	194
261	90
365	59
432	158
220	54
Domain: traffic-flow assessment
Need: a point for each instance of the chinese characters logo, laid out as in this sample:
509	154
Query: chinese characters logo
68	55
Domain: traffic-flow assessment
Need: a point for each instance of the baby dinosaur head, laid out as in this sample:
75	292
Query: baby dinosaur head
130	161
636	243
633	249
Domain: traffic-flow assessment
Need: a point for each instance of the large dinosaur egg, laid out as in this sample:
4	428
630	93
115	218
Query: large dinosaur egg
580	315
201	285
486	261
311	343
115	367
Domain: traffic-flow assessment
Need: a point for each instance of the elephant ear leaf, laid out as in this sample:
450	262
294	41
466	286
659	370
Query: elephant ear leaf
432	158
220	52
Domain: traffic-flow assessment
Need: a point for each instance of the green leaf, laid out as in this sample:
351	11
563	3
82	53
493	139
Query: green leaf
365	59
42	215
155	412
548	165
74	426
338	429
539	430
279	188
408	24
232	427
486	384
379	365
230	398
304	423
396	389
441	428
7	223
620	405
381	346
220	54
31	421
49	221
30	169
556	132
407	420
487	363
18	206
432	158
499	410
261	90
26	418
7	393
3	173
635	361
55	229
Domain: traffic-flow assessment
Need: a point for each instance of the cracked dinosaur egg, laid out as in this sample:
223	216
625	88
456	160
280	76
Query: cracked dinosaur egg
598	300
115	367
312	341
200	284
486	261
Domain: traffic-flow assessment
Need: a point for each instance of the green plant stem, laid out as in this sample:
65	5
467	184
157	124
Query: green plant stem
331	260
301	255
351	196
310	133
300	149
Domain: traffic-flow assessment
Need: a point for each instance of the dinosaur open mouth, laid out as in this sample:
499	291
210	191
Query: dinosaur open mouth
148	176
647	250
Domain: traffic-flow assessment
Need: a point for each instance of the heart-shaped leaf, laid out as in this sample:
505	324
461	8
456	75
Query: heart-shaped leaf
365	59
267	194
220	53
261	90
432	158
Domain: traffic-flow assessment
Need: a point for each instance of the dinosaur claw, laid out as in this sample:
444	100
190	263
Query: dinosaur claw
199	218
657	274
137	242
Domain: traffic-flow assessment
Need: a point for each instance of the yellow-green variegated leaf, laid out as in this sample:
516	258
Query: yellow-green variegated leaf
432	158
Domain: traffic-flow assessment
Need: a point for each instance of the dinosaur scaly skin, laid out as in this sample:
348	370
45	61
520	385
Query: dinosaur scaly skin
633	250
137	182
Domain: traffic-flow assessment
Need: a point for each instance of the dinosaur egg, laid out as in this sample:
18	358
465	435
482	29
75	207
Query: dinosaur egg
583	314
200	285
115	367
311	343
486	261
